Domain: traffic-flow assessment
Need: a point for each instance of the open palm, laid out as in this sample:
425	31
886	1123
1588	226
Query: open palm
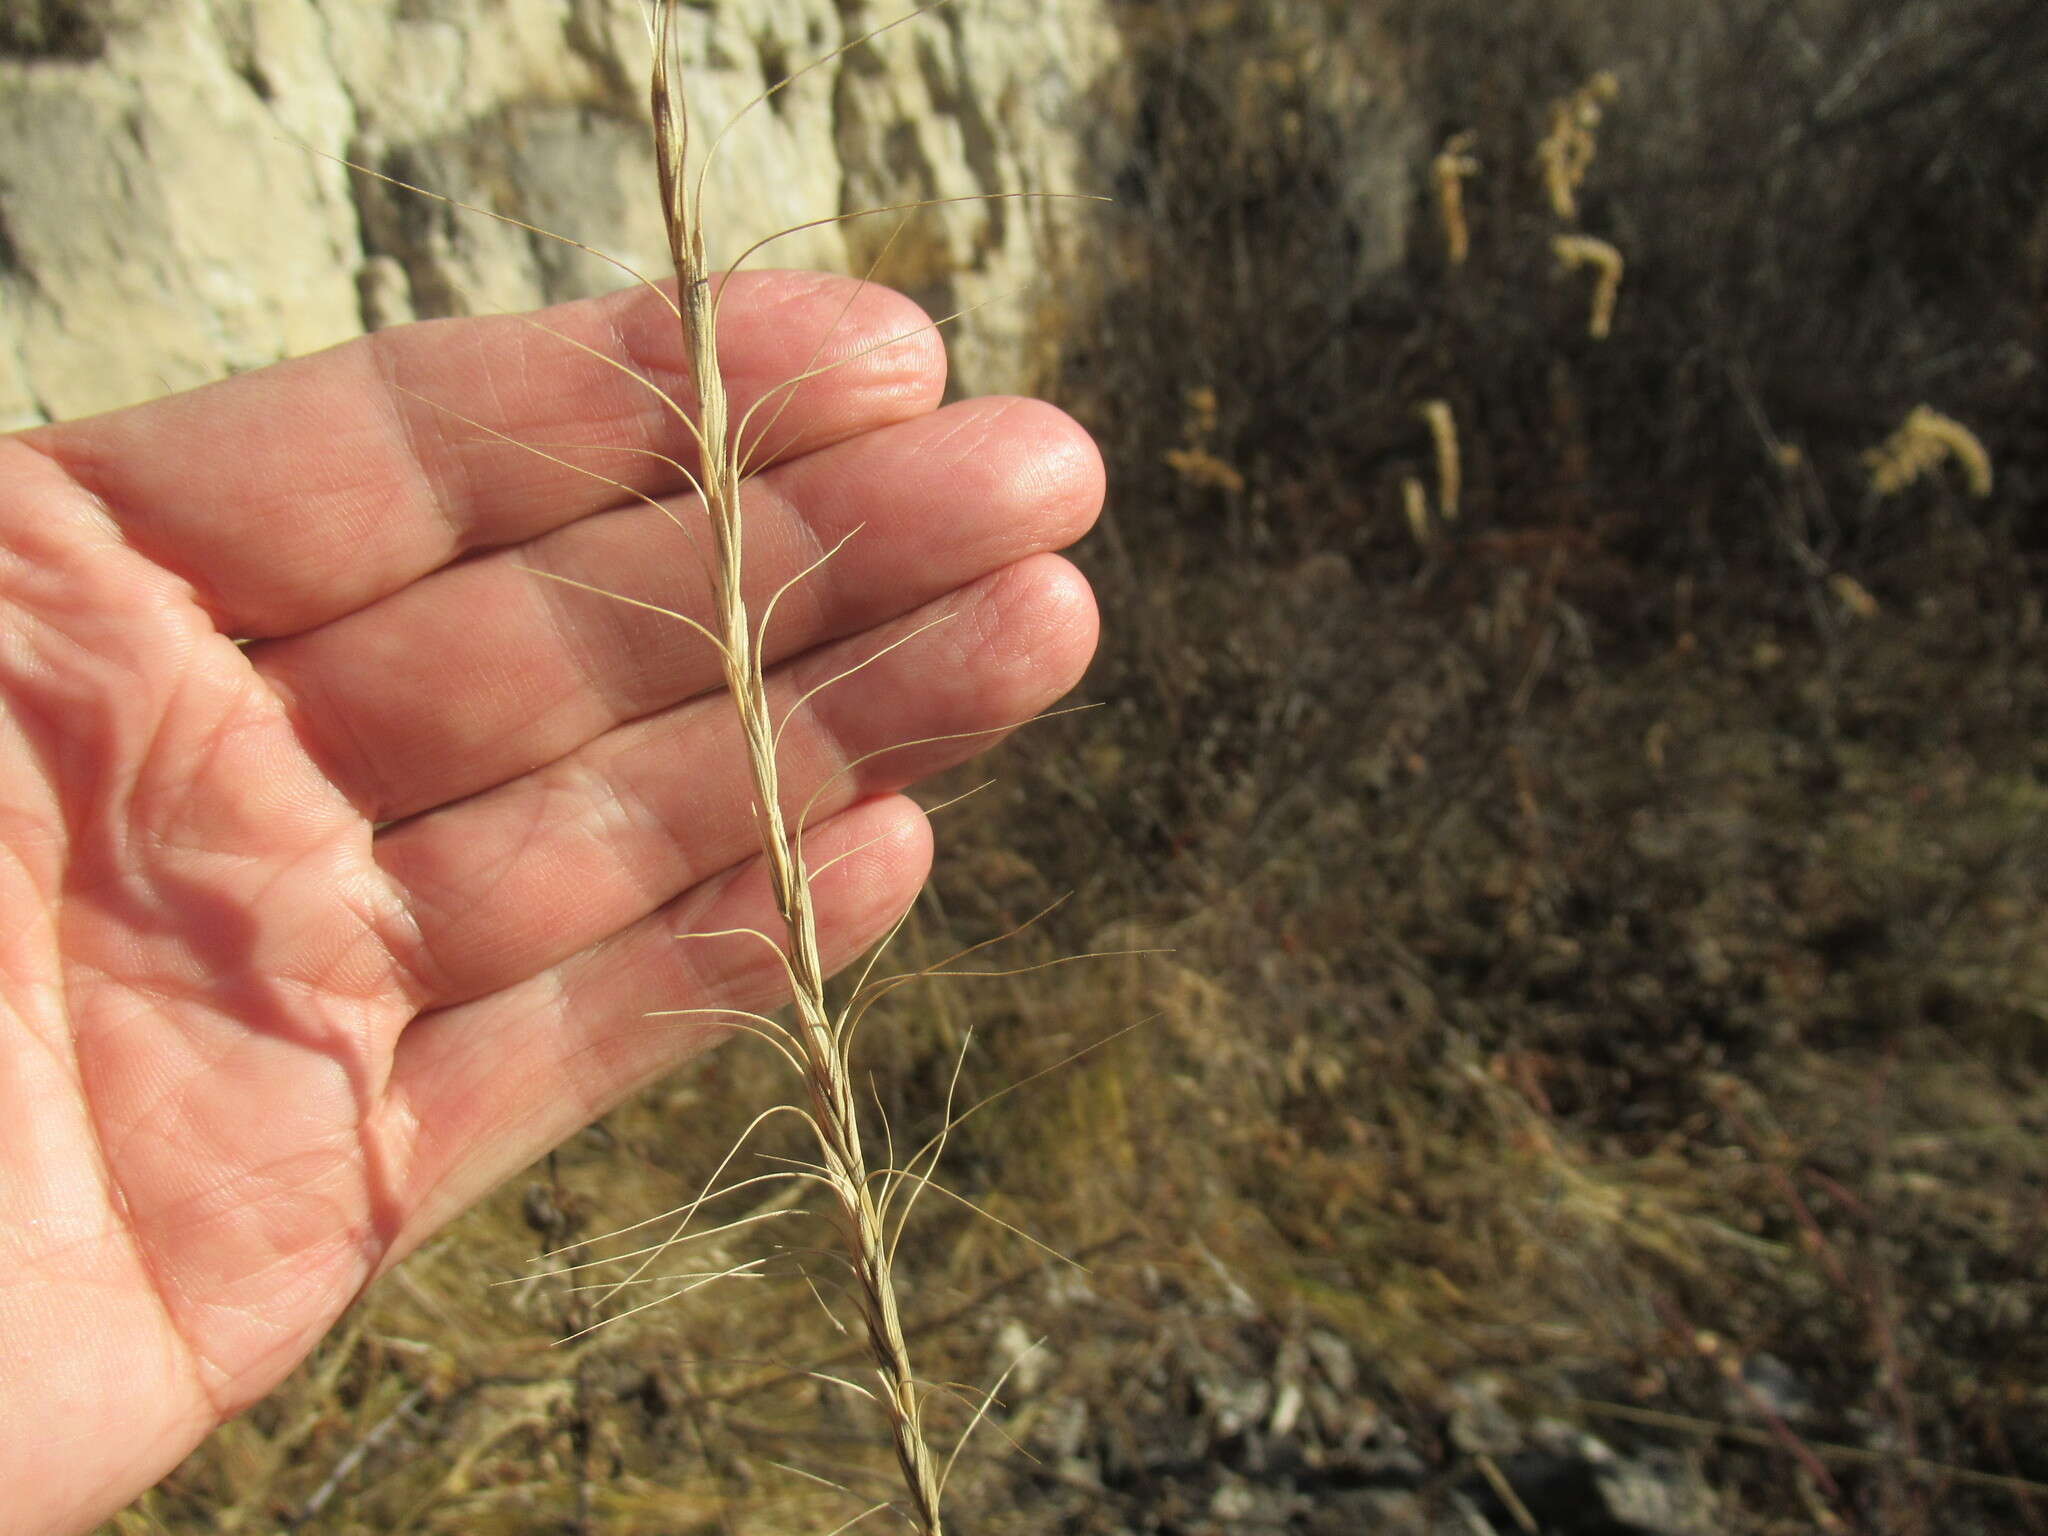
307	941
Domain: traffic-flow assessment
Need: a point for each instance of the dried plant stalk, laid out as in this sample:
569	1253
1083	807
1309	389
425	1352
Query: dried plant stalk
1450	475
1925	441
1449	170
1603	258
1415	508
819	1039
1566	153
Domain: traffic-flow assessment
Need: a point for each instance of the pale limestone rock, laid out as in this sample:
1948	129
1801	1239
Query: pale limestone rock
159	231
168	216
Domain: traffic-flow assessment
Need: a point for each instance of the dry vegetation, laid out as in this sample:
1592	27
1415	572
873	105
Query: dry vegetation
1608	949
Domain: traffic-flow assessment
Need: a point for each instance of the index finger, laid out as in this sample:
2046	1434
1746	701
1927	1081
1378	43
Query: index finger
300	492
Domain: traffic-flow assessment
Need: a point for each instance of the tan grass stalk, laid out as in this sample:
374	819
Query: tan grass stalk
818	1040
1566	153
1586	251
1415	508
1449	170
1924	442
1450	477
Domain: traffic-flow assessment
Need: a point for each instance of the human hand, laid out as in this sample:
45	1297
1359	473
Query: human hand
309	942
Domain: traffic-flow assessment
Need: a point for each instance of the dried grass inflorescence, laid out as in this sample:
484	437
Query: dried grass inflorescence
818	1043
1415	510
1566	153
1924	442
1198	463
1450	475
1576	251
1453	165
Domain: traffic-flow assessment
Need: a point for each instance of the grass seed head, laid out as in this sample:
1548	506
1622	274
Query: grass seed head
1415	509
1576	251
1450	478
1453	164
1924	442
1566	153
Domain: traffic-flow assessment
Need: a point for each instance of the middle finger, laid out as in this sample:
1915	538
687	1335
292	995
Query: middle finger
485	670
512	881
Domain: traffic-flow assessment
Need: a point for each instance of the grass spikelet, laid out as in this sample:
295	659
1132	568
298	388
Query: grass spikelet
1576	251
817	1042
1924	442
1453	164
1198	463
1566	153
1450	477
1415	509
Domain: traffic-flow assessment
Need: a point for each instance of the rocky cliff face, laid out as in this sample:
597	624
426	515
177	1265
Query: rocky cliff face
173	206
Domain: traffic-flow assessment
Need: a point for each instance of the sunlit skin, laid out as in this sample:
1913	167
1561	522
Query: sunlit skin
310	941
